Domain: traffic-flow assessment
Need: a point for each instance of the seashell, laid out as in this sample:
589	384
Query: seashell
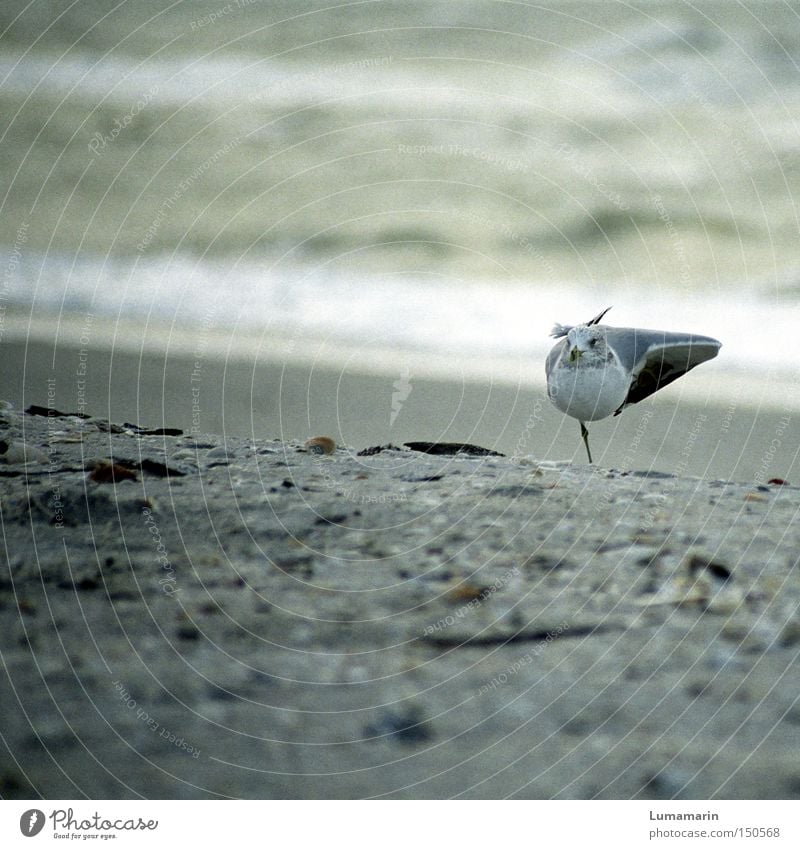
320	445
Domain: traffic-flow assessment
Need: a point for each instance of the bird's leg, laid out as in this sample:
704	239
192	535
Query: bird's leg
585	435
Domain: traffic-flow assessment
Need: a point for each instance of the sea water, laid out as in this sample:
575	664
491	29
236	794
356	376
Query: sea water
428	182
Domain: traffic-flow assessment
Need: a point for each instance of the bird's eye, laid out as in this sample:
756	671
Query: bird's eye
592	343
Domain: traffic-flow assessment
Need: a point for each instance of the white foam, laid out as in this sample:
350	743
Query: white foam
481	329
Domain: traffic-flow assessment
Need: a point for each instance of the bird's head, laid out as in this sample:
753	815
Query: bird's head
586	345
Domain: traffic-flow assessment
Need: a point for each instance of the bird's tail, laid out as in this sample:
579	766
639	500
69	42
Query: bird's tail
560	330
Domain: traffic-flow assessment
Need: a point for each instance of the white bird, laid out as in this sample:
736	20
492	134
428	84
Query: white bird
596	370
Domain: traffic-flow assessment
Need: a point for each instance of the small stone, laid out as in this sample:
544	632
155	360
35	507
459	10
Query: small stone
26	606
188	631
331	518
669	783
199	444
793	715
68	439
302	565
221	453
14	453
107	472
450	449
468	592
697	564
407	727
105	426
790	634
376	449
320	445
726	601
751	637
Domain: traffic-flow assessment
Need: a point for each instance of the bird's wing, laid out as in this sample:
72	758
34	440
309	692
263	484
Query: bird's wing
655	358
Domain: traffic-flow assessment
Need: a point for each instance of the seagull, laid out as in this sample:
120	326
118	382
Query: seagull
596	370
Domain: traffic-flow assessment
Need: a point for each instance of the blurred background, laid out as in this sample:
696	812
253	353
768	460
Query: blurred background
289	218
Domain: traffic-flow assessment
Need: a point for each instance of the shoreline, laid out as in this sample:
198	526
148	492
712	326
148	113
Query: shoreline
158	338
290	399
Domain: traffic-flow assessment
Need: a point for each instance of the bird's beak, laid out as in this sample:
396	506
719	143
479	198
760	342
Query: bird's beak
574	353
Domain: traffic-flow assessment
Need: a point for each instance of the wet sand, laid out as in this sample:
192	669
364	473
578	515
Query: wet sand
270	397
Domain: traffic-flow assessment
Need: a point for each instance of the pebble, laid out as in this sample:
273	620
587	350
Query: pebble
188	631
105	426
320	445
108	472
407	727
14	453
790	635
669	783
698	564
468	592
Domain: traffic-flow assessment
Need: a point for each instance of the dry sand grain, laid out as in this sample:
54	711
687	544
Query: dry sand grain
247	619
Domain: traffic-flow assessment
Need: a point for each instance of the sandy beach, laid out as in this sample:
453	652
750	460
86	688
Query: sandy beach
192	616
228	229
269	397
